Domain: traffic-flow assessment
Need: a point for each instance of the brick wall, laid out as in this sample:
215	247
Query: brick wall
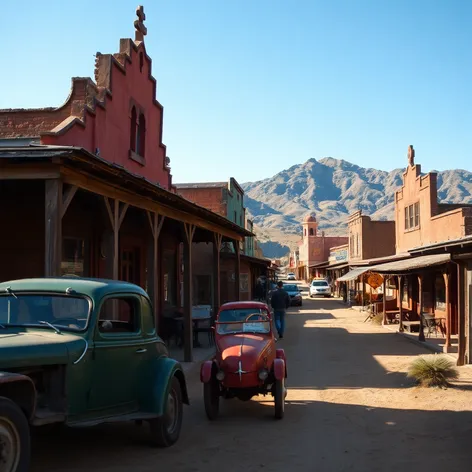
210	198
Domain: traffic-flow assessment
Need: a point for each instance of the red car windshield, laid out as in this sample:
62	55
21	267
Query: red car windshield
243	320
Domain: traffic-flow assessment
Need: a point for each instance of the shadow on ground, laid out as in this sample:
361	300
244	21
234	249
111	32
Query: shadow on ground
313	436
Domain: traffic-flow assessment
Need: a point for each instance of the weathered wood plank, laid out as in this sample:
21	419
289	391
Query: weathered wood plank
67	199
53	227
102	188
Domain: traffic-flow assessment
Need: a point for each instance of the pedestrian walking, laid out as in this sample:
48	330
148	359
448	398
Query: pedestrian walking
280	301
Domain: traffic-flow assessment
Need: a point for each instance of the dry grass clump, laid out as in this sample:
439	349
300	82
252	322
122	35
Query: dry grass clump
377	318
433	370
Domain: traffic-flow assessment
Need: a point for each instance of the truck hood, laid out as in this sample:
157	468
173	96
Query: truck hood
21	347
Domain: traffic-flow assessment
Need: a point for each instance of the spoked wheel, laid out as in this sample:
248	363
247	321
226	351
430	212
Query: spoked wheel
279	398
211	397
14	438
166	429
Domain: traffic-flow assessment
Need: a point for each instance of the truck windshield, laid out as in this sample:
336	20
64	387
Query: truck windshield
43	310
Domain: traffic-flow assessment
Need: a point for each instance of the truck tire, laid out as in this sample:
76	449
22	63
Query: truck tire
14	438
165	430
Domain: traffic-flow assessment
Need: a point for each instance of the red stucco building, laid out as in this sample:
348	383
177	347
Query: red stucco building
86	189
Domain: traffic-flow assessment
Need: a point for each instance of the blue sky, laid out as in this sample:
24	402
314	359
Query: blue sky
251	87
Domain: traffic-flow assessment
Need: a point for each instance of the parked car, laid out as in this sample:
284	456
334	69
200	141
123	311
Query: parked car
246	362
320	287
82	352
291	276
295	294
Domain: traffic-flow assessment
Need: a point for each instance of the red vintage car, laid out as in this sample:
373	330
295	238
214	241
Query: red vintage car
246	362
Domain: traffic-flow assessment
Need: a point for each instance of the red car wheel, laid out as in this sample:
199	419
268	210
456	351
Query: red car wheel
211	397
279	398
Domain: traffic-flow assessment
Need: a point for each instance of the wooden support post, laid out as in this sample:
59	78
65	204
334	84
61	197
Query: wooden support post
188	281
420	303
53	227
116	215
363	292
384	301
400	302
461	307
448	345
217	239
237	271
153	279
67	198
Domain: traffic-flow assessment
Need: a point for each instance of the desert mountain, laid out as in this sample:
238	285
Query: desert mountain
333	189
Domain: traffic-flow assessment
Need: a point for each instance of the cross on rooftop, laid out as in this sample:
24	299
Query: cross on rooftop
141	30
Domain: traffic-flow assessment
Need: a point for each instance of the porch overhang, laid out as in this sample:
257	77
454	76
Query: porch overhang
353	274
413	264
79	167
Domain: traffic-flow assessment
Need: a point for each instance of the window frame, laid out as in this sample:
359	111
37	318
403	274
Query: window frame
412	216
127	334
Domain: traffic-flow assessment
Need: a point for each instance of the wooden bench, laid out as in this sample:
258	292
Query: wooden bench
409	325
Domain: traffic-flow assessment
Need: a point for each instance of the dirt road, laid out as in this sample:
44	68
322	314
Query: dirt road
349	408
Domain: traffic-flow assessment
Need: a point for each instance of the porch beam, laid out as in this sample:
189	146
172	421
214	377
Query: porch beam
31	172
237	270
448	344
156	225
189	230
217	241
384	300
67	198
420	304
400	301
117	215
461	310
53	227
100	187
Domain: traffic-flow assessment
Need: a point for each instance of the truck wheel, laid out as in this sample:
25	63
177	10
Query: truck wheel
211	398
165	430
14	438
279	398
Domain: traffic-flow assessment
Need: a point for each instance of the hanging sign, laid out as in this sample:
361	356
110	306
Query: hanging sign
375	280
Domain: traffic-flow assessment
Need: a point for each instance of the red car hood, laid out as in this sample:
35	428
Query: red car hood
250	349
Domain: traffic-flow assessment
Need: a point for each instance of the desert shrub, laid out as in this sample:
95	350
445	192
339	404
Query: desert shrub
377	318
433	370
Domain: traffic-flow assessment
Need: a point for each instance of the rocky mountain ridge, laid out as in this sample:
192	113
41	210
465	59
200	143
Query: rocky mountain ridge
333	188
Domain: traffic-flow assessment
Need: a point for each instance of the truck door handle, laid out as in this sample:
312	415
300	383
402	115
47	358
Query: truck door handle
140	351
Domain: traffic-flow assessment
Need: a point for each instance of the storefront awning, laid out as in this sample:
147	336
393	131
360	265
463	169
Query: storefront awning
353	274
410	265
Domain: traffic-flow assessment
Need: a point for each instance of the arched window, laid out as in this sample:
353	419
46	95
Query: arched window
132	134
312	233
141	137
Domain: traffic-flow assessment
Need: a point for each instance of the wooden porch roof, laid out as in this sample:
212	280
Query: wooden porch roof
79	167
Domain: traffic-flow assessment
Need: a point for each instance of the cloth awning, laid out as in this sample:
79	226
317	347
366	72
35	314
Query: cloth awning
352	274
409	265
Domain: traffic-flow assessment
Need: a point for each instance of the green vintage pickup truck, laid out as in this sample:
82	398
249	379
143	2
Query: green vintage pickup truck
82	352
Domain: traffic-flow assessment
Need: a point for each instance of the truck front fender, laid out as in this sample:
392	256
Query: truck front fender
279	369
19	389
164	370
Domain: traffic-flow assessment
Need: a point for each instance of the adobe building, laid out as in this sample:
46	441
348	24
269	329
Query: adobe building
422	220
369	239
428	281
86	189
314	247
